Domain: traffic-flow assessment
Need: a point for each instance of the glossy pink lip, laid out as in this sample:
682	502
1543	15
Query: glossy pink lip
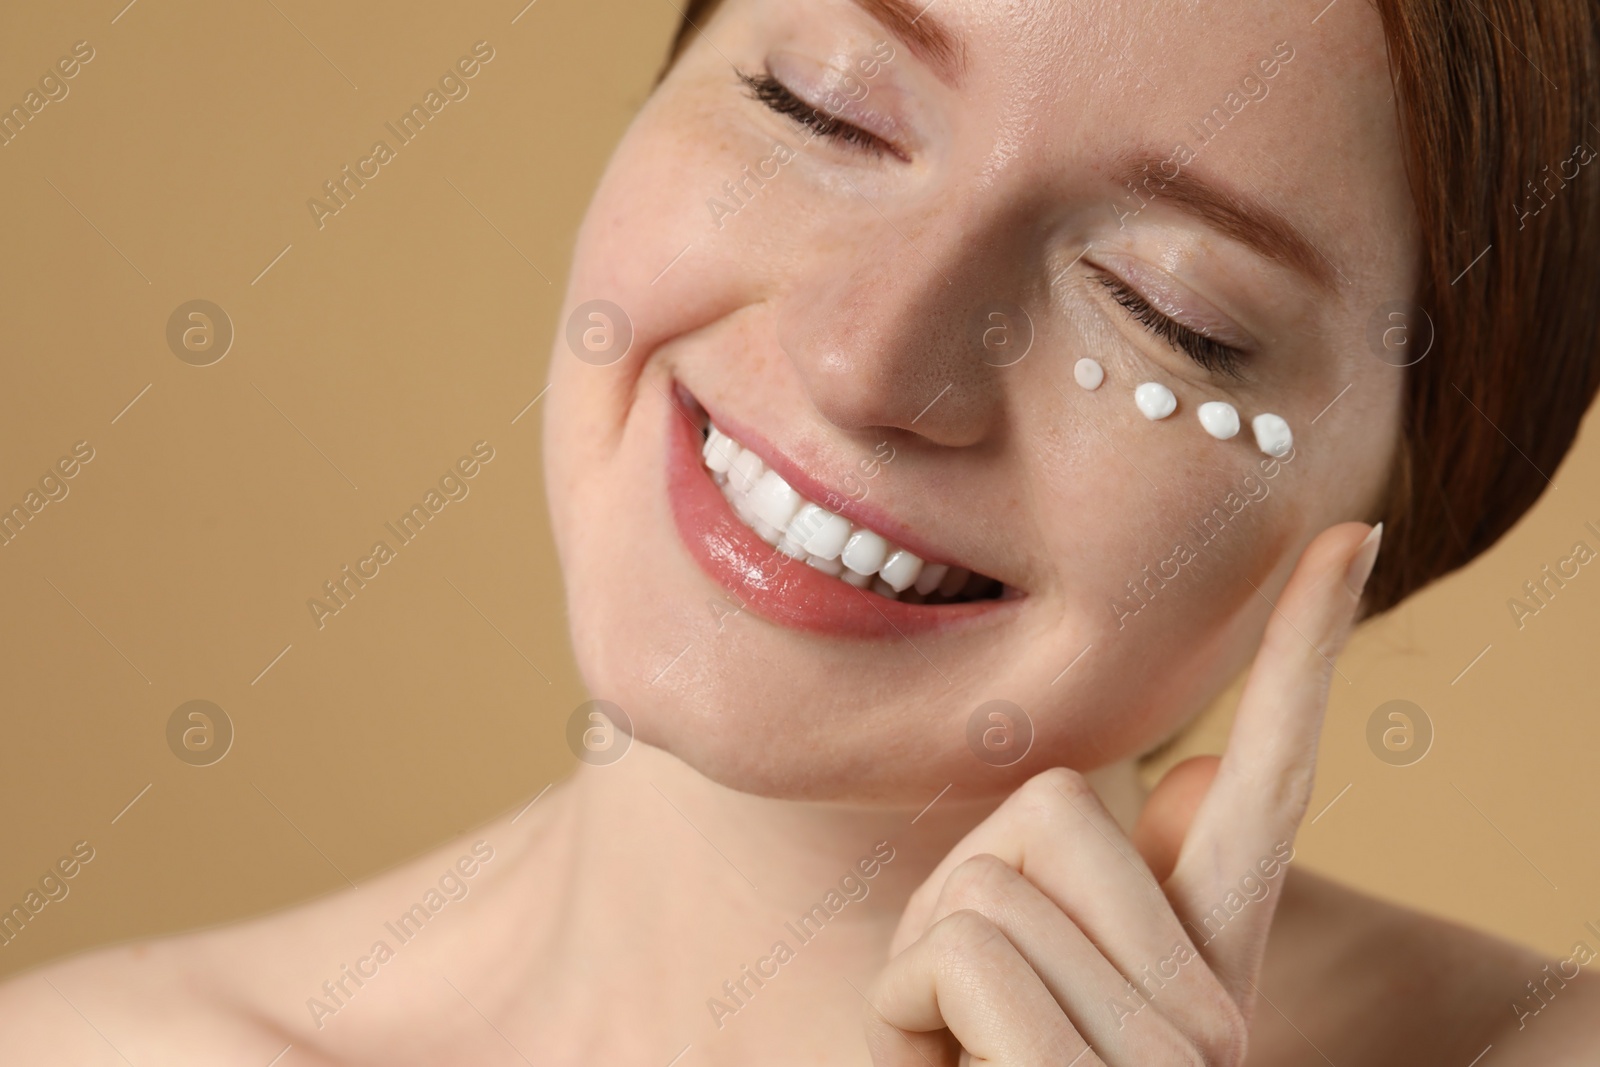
773	585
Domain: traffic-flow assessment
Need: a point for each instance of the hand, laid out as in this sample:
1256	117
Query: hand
1048	937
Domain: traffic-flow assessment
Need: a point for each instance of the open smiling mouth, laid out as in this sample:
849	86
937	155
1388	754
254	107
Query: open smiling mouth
804	530
754	521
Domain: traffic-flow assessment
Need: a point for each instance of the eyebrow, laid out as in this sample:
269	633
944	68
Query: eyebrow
929	39
1251	222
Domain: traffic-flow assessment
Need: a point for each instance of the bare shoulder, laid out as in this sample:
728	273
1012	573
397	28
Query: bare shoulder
156	1001
1354	978
246	992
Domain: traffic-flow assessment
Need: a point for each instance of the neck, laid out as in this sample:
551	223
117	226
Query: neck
719	918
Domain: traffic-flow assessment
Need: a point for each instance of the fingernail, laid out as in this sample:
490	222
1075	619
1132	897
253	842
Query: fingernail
1360	569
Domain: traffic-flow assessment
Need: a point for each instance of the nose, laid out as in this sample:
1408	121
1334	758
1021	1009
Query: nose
912	329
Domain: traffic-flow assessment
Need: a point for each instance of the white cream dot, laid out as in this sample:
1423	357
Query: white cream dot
1089	373
1219	419
1155	400
1272	434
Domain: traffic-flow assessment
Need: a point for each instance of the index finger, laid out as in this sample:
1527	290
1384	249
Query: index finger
1249	817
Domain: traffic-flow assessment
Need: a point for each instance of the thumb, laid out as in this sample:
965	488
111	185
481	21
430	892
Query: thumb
1171	807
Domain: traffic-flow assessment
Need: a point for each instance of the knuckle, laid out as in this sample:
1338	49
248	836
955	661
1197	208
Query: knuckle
1227	1034
977	878
1049	795
963	933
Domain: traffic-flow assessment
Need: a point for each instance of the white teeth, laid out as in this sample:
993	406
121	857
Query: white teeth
932	574
901	570
767	532
954	580
829	543
828	535
831	567
741	505
865	552
720	451
774	500
745	470
806	522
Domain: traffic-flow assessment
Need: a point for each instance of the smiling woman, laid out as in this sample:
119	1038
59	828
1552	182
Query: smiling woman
1304	219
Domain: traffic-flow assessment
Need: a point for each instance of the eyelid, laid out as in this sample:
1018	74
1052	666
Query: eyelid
1177	302
1209	355
838	92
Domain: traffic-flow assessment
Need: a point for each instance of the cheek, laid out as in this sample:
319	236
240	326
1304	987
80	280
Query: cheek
1149	511
1163	548
648	249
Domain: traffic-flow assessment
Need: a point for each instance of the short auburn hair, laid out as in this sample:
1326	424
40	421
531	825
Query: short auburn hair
1496	103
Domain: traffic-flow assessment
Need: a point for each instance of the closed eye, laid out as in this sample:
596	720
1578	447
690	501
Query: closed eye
777	96
1211	354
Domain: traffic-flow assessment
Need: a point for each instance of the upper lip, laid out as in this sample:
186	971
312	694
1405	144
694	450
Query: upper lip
834	500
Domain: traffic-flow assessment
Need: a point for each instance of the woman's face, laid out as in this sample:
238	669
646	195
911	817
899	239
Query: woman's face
887	308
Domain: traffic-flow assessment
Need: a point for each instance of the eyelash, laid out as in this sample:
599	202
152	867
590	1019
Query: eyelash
768	90
1210	354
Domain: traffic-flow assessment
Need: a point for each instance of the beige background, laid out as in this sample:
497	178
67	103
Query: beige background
369	357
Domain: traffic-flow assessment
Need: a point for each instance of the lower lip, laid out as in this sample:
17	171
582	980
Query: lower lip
775	586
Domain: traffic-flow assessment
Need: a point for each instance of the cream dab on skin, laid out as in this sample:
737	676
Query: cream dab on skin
1155	400
1089	373
1272	434
1219	419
